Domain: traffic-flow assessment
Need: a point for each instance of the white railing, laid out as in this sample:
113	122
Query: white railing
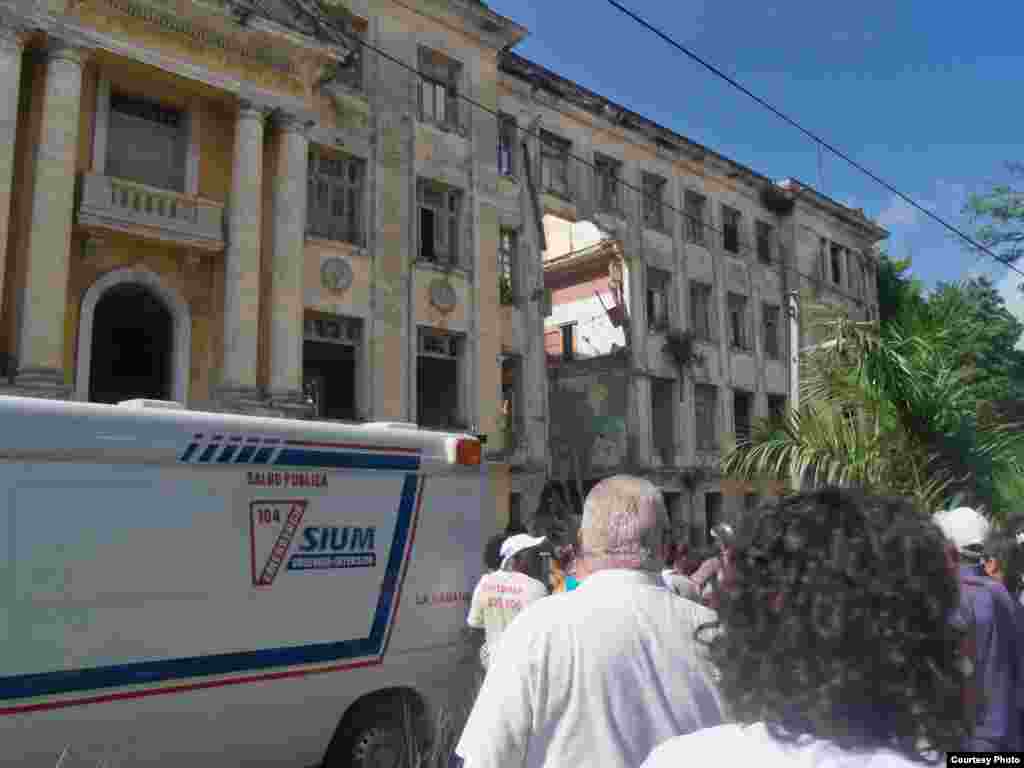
128	206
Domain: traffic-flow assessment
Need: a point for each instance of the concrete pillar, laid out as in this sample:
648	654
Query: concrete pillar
12	43
286	290
238	387
40	369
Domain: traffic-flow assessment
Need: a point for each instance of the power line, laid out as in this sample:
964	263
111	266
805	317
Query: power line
821	142
346	40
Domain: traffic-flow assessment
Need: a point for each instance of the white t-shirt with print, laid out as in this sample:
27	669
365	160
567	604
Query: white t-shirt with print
754	745
498	598
594	677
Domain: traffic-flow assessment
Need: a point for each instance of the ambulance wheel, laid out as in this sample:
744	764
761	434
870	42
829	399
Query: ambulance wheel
380	746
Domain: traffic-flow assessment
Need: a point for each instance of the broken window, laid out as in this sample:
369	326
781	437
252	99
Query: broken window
336	188
765	239
329	365
507	145
705	403
658	284
439	222
695	207
508	245
554	164
663	420
607	173
742	407
439	79
701	315
147	142
837	264
730	229
777	408
770	317
437	380
511	396
568	341
654	200
738	321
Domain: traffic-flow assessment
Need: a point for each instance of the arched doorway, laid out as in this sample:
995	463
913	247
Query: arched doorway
132	336
137	278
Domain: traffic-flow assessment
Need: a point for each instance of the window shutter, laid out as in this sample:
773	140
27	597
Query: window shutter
823	260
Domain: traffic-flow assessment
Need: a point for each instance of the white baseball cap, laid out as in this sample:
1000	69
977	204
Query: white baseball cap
964	527
513	545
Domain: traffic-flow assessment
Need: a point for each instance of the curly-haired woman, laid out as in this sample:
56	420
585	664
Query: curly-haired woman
836	647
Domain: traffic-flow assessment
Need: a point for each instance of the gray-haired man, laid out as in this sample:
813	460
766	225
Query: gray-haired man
603	674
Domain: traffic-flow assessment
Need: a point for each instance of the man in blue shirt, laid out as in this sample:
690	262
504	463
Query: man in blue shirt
986	606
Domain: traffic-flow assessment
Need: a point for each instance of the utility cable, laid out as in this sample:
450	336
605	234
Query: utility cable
814	137
323	22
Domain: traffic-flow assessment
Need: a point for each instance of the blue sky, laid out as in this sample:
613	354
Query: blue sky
926	95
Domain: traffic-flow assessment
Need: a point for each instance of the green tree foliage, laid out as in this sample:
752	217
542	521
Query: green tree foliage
902	405
998	216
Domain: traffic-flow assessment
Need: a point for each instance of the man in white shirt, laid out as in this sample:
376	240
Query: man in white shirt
603	674
500	595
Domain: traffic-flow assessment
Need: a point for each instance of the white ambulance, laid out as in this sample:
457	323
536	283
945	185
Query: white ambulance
194	589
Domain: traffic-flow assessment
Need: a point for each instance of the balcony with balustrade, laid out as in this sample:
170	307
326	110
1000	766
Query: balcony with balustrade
114	204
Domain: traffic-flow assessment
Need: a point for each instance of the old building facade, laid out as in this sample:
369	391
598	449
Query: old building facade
241	207
209	202
676	278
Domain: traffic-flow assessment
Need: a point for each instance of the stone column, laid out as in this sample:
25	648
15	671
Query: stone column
287	299
40	369
238	389
12	43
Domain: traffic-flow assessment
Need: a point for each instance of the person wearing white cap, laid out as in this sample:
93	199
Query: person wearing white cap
500	595
601	675
988	613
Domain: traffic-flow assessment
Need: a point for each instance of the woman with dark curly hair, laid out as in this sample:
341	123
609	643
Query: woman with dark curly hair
836	646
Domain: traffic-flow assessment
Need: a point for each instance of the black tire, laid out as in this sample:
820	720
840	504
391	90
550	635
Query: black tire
380	746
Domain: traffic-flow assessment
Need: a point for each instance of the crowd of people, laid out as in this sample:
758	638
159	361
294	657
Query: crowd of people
832	628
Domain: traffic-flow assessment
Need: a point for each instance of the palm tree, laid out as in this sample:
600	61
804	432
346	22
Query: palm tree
882	409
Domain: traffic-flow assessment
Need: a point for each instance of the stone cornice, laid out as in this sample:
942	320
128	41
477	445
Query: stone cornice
184	68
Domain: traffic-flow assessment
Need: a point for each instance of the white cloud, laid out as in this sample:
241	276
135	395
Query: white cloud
1008	287
899	215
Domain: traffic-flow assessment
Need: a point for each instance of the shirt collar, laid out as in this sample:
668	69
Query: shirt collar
622	576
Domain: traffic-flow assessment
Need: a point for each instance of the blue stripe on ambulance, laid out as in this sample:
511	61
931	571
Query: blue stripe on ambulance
158	672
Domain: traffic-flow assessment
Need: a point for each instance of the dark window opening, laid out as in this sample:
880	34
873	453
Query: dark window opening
329	376
663	421
658	282
653	200
742	402
507	145
712	513
701	315
771	332
437	389
777	408
706	416
837	264
730	229
738	337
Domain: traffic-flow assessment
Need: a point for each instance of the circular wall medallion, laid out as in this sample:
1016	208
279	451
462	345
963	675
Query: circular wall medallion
442	295
336	274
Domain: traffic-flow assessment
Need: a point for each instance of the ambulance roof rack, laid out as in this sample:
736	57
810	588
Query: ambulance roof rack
167	405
